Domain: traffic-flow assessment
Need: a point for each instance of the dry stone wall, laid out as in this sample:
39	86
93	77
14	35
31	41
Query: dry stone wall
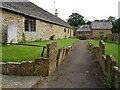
28	68
39	67
108	65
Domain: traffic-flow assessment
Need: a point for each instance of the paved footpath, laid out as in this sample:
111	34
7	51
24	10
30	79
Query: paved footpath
79	70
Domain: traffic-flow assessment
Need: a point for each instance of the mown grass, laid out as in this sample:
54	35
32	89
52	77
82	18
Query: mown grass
18	53
110	49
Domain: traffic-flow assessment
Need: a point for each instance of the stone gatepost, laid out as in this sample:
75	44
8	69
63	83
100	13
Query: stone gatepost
101	47
101	51
110	72
51	55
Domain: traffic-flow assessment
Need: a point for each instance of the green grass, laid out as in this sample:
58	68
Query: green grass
18	53
110	49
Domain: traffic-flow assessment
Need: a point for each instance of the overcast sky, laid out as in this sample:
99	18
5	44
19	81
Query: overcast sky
90	9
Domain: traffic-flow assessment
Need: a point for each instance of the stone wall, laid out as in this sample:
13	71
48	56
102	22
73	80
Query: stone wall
7	17
39	67
44	30
108	65
80	34
62	54
96	33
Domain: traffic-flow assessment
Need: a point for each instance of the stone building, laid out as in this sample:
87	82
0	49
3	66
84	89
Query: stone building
83	32
101	28
25	21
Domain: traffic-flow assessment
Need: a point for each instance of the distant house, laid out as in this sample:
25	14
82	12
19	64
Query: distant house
83	32
26	21
101	28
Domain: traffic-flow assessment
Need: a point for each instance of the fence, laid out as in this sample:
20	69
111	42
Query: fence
108	65
39	67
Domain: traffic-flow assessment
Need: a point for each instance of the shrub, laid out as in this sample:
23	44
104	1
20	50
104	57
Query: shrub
52	37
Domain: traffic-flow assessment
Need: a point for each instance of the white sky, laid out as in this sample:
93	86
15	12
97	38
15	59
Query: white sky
90	9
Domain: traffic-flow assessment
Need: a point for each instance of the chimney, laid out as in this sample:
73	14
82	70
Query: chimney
56	14
110	19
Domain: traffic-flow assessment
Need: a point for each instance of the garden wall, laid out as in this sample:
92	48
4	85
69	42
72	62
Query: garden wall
108	65
38	67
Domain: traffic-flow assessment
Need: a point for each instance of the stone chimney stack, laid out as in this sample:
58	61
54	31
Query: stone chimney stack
110	19
56	14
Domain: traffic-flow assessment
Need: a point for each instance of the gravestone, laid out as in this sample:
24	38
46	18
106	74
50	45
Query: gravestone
12	32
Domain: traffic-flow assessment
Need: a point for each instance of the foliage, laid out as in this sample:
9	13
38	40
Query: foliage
76	19
23	37
116	25
18	53
88	22
52	37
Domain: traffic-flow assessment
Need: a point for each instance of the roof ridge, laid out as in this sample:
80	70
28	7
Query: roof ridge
33	10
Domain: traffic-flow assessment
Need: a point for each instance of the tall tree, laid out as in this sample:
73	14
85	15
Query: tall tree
76	19
116	26
87	22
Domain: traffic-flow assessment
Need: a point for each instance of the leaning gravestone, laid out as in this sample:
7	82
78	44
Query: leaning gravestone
12	32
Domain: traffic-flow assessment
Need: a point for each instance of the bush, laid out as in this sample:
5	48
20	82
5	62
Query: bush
52	37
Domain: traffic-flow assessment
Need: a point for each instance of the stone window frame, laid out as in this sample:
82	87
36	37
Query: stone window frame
88	32
64	29
68	31
30	24
101	33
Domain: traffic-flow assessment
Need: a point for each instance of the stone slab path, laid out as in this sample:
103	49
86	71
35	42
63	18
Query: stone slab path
79	70
18	81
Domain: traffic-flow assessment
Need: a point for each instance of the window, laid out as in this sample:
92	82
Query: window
30	24
64	29
101	33
87	32
80	32
68	31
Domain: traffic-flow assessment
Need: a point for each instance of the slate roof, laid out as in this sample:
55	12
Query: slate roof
102	25
30	9
84	28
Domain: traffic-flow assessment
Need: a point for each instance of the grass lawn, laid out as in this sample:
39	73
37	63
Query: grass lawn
18	53
110	49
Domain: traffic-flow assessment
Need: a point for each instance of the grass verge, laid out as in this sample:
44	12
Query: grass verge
18	53
110	49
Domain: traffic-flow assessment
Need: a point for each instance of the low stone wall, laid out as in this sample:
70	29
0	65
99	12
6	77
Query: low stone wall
108	65
28	68
39	67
